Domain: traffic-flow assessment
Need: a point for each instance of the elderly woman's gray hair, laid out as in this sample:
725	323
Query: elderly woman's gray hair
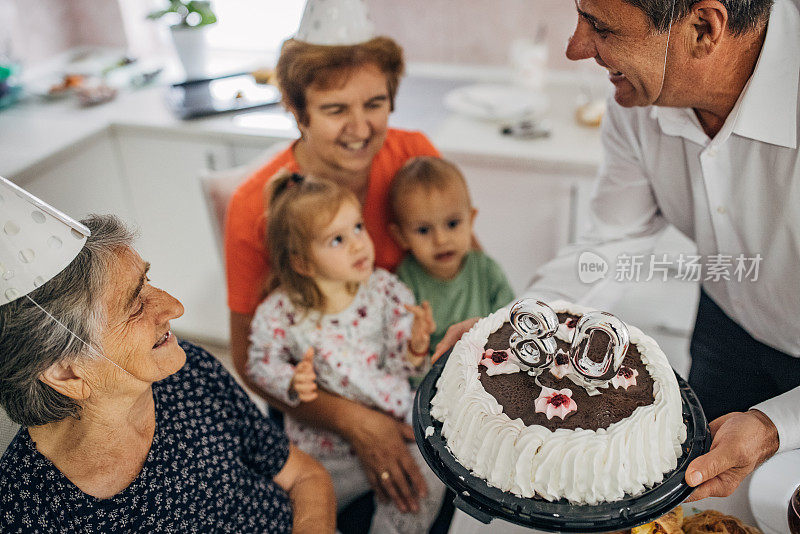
743	15
31	341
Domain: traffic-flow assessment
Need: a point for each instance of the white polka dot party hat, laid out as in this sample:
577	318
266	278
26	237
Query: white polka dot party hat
36	241
335	22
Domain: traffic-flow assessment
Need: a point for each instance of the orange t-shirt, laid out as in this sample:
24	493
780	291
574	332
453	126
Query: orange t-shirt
246	259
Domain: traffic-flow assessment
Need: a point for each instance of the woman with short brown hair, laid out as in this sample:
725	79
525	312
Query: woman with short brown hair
341	96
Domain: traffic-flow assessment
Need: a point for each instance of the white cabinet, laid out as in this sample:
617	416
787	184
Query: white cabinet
85	179
163	170
246	154
524	216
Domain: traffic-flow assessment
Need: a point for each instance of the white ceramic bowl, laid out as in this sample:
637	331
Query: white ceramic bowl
771	488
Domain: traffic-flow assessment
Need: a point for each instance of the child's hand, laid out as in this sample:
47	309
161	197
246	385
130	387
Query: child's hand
421	330
304	381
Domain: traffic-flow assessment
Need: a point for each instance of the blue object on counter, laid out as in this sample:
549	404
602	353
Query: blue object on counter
10	90
9	94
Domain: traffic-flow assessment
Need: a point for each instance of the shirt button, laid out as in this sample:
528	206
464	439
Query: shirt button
721	210
711	152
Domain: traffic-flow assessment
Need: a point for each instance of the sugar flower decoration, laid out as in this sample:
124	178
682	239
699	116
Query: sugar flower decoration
567	329
555	402
498	362
561	366
494	357
625	377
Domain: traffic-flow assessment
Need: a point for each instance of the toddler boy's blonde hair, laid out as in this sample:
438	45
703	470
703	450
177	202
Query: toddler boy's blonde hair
426	172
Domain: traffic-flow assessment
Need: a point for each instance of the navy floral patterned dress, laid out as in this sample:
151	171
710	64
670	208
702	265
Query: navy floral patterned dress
209	469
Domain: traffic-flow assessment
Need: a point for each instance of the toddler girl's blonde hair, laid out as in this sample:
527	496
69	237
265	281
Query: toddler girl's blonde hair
298	208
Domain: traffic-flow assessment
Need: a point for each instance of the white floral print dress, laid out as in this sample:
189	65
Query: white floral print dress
359	353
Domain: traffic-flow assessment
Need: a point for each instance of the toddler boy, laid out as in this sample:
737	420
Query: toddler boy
432	219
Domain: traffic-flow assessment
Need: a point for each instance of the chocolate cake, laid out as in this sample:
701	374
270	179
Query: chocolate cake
548	434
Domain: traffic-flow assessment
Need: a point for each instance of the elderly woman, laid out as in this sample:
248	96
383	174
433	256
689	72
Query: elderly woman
341	97
126	429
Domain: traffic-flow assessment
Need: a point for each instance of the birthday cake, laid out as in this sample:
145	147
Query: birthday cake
582	423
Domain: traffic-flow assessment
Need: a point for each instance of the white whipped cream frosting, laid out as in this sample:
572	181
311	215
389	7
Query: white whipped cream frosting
583	466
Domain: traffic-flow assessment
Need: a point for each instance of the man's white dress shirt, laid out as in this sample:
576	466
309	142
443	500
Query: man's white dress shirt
736	194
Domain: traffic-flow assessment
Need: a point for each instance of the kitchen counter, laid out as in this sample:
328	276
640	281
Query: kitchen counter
36	129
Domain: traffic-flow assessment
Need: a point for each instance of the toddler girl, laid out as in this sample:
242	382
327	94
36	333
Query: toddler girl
333	320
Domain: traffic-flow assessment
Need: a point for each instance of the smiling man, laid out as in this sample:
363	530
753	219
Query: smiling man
702	133
704	66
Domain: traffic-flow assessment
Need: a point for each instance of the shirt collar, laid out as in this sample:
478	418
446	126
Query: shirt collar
767	109
769	105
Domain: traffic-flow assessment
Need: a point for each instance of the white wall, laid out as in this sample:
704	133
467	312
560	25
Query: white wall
41	28
439	31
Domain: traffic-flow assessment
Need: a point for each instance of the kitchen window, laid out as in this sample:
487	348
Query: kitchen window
254	25
246	30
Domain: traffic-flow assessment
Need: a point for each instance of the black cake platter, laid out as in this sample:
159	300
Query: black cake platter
484	502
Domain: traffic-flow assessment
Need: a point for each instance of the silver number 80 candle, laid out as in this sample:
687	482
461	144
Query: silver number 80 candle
598	372
535	323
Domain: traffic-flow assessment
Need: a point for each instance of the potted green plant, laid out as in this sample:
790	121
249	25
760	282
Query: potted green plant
190	20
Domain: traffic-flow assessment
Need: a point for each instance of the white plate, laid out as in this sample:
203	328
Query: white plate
496	102
770	490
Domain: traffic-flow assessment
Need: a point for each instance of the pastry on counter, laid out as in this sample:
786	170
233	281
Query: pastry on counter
707	522
68	82
591	113
711	521
264	76
669	523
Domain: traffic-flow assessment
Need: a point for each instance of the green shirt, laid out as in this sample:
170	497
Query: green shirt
477	290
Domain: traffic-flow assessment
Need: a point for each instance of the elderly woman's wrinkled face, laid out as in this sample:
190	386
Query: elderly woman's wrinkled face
138	336
347	124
